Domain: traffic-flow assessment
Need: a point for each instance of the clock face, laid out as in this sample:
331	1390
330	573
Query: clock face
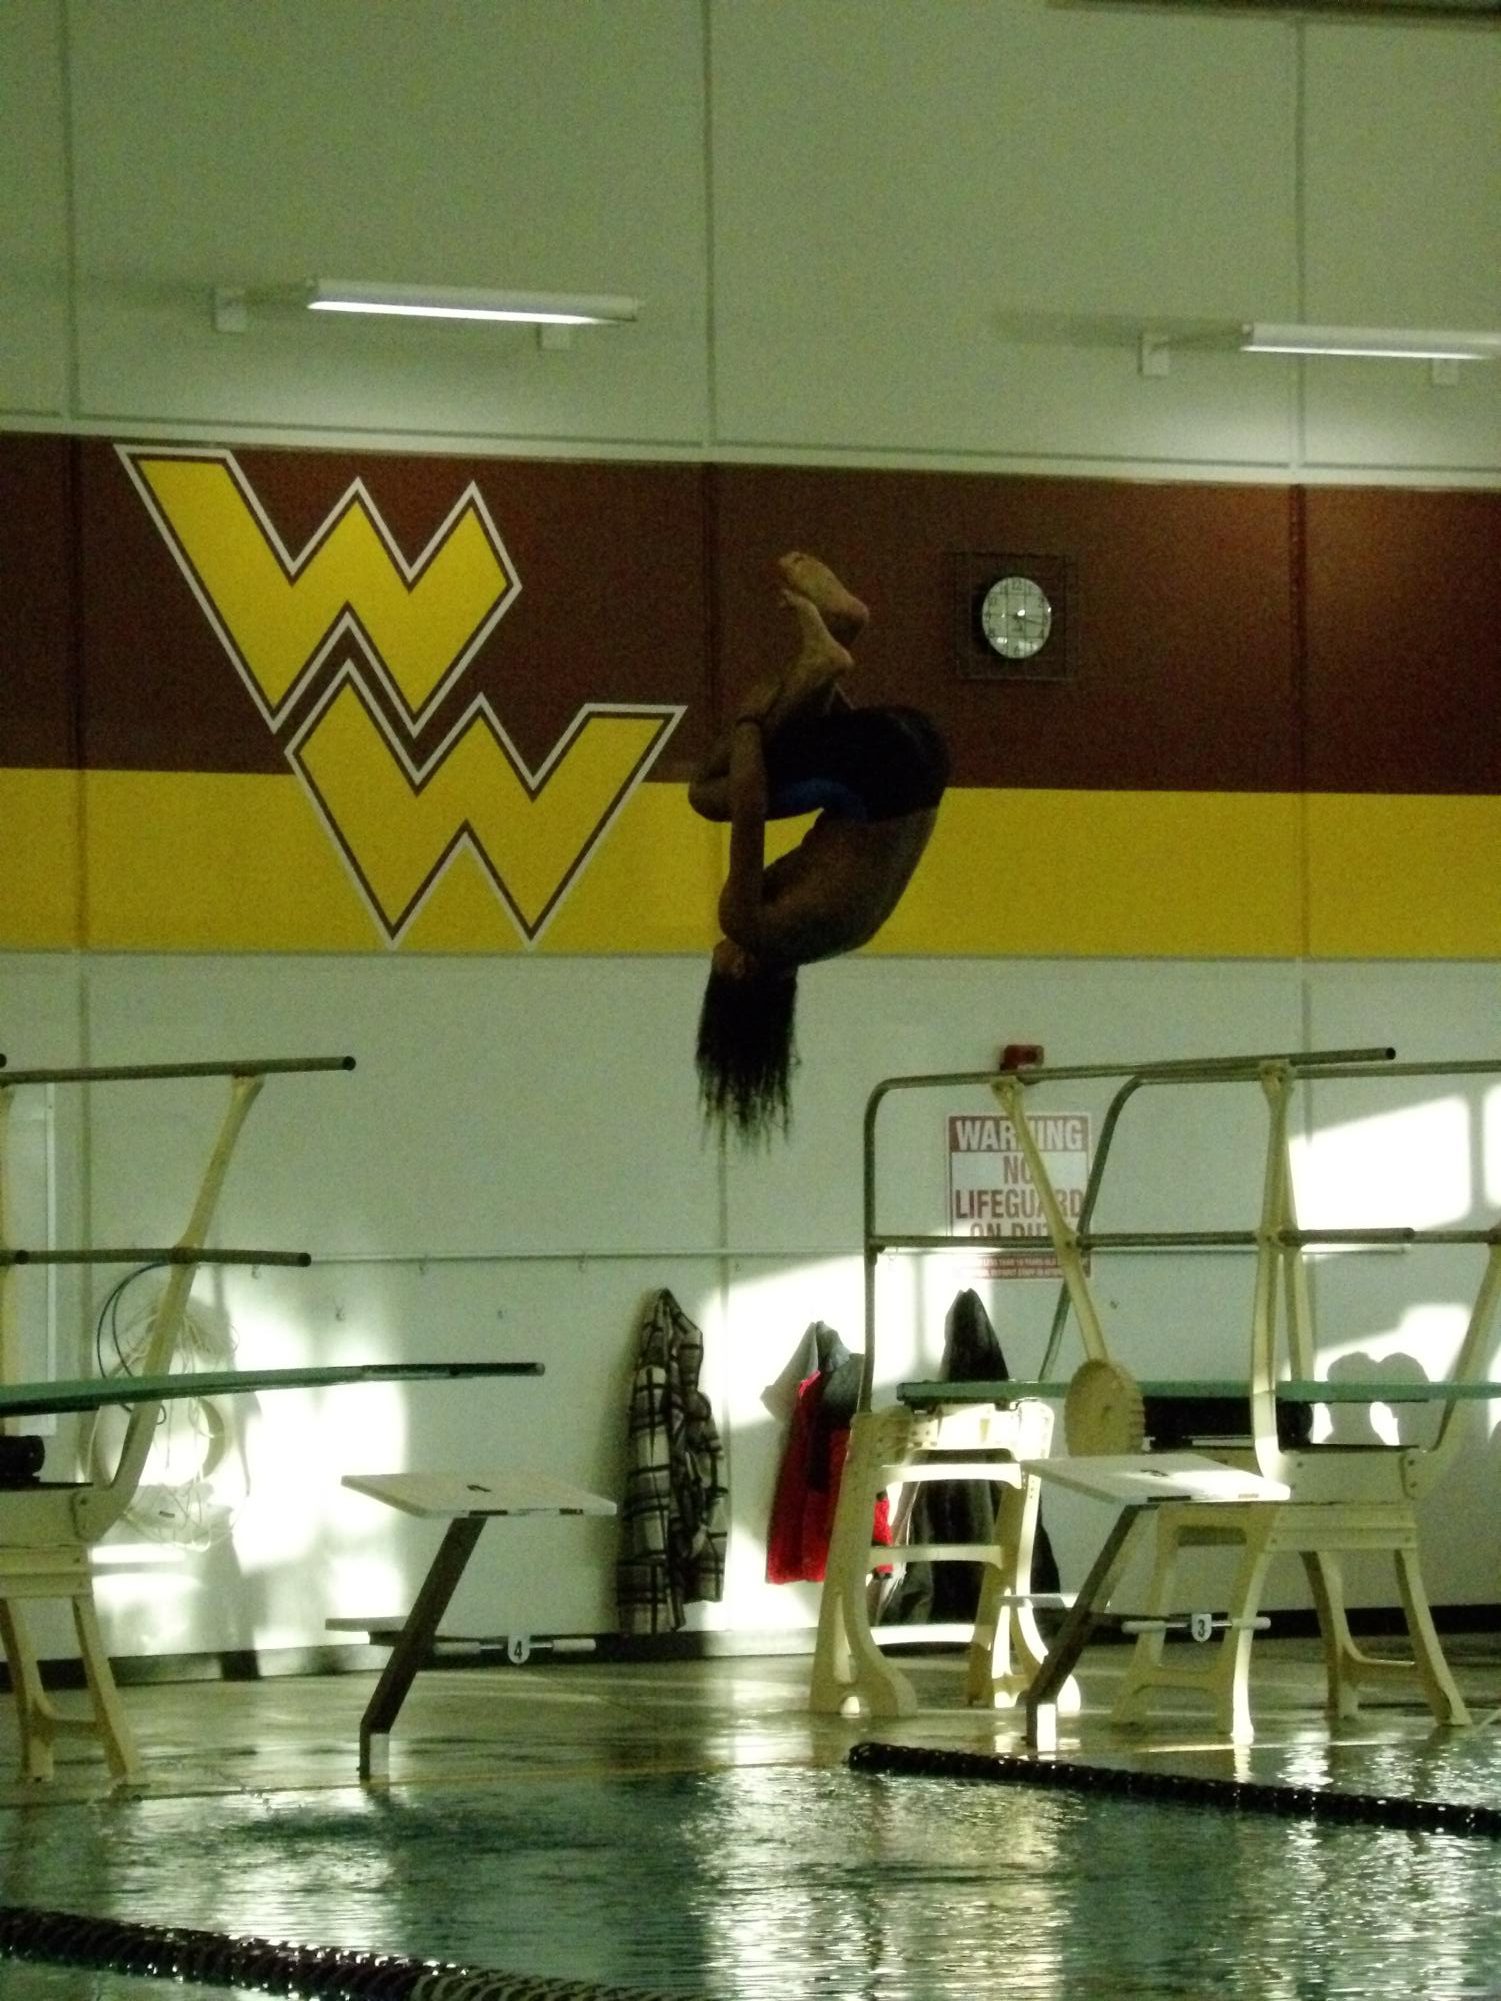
1016	617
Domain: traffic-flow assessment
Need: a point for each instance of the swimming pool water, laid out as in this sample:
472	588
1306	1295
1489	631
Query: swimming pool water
780	1883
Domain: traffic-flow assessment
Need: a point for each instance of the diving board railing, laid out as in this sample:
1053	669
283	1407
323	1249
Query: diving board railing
906	1442
48	1530
1330	1065
93	1508
1328	1499
1070	1245
1282	1302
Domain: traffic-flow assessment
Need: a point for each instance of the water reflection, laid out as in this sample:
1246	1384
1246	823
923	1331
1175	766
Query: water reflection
20	1982
775	1883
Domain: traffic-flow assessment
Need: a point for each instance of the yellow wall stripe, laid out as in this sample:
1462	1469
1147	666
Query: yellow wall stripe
218	863
214	862
1109	874
39	855
1409	877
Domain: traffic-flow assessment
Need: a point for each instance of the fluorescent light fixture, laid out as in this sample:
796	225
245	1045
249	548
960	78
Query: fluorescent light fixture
438	302
1389	343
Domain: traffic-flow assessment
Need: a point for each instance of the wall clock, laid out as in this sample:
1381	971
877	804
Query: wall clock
1014	615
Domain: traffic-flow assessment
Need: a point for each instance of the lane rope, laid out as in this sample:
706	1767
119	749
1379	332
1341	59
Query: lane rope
177	1952
1181	1788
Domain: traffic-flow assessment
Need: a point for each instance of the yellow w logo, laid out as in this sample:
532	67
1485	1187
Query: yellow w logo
278	615
415	625
401	826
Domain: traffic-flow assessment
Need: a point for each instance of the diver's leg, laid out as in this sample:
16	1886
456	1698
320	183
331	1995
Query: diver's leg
841	611
807	687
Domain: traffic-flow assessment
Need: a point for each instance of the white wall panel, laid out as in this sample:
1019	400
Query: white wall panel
42	1185
304	1549
39	1009
1413	426
1402	170
34	212
1188	1159
453	1059
768	1309
1426	1152
863	1020
497	1106
939	228
465	143
1402	166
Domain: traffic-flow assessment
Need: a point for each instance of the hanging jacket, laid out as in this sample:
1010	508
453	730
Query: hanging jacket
673	1523
808	1480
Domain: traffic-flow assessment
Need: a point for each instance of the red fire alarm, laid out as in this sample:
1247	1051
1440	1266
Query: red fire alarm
1022	1056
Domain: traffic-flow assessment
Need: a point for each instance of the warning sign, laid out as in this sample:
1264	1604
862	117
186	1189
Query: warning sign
991	1192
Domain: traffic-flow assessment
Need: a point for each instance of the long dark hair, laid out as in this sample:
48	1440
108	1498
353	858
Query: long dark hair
746	1053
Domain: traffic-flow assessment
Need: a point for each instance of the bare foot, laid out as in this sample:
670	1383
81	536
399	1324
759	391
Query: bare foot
821	659
841	611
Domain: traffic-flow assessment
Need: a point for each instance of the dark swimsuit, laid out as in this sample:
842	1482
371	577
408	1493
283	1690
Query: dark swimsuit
859	764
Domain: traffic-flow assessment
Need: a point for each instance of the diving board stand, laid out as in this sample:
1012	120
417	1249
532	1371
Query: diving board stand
466	1505
895	1444
48	1530
899	1446
1326	1499
1339	1499
1138	1484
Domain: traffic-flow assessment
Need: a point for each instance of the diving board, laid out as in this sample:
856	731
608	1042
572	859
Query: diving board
1206	1389
88	1393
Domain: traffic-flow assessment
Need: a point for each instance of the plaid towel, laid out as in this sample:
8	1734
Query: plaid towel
673	1522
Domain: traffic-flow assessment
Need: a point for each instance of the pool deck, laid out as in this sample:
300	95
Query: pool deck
570	1716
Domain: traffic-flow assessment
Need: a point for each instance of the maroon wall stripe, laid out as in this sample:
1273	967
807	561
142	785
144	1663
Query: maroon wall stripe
38	650
1183	672
611	607
1226	637
1404	640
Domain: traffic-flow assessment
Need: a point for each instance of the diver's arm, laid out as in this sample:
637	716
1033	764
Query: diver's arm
709	789
741	910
